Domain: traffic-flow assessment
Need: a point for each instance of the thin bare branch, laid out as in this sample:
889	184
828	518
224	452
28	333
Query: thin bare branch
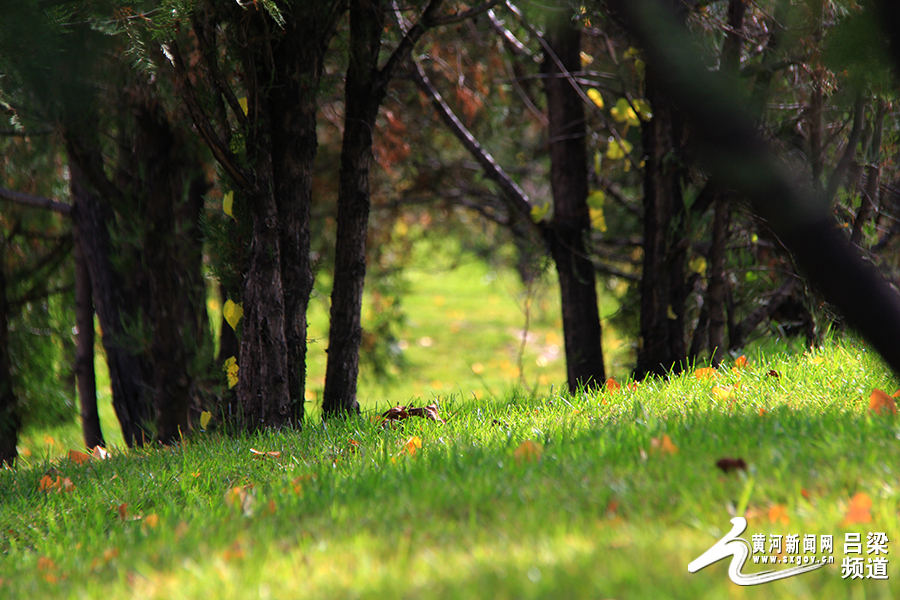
466	14
35	201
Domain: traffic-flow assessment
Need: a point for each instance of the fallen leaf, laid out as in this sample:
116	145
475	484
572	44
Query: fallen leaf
663	445
722	393
528	451
151	521
412	445
259	454
740	362
705	373
241	497
612	385
762	412
100	453
778	514
79	458
896	394
399	413
773	373
205	418
880	402
59	484
123	510
859	510
731	464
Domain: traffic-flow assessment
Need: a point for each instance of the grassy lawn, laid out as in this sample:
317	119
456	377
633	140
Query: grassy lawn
605	495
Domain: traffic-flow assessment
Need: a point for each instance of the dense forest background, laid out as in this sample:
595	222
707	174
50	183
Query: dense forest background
266	155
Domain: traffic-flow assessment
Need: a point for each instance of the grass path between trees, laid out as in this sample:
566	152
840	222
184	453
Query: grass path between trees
607	495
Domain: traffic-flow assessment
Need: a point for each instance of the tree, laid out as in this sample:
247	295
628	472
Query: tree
566	232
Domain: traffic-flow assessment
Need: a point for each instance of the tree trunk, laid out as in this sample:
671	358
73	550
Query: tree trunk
571	222
661	346
127	372
873	176
10	420
362	97
84	353
717	290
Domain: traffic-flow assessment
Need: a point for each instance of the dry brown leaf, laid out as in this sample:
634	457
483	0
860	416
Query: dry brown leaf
731	464
79	458
399	413
100	453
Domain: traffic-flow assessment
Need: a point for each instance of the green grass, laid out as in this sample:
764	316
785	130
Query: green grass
598	512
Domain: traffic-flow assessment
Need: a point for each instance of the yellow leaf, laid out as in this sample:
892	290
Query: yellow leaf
623	113
598	220
539	211
231	371
233	312
228	204
205	417
643	109
698	265
587	59
528	451
616	150
243	103
722	393
671	313
595	97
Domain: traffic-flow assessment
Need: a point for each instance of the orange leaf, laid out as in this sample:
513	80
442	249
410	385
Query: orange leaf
528	451
778	514
859	510
612	385
48	484
705	373
663	445
762	411
880	402
123	510
151	521
412	445
79	458
740	362
896	394
100	453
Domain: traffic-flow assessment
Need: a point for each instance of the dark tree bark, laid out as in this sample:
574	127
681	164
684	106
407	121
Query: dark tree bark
362	97
127	372
661	346
571	223
10	420
84	352
873	176
717	290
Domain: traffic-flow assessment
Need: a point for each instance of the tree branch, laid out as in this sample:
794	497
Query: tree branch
35	201
222	154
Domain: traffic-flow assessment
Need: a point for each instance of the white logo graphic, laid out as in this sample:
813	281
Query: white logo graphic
739	550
